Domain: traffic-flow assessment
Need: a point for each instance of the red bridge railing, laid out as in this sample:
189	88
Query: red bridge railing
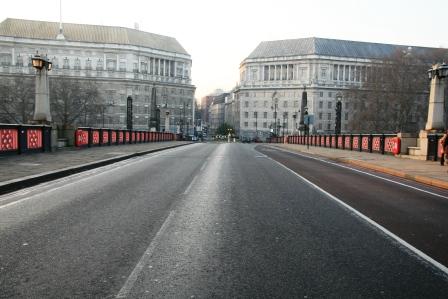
89	137
18	139
372	143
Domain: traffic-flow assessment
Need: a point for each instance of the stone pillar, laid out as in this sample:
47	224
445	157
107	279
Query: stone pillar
436	100
42	113
167	122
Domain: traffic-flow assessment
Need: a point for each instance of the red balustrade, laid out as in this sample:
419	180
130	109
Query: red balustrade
9	139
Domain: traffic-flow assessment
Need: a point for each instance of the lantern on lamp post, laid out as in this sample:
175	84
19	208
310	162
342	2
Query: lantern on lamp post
42	114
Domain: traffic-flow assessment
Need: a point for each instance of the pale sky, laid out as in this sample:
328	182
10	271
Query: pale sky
220	34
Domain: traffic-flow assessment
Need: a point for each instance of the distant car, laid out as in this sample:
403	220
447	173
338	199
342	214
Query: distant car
194	138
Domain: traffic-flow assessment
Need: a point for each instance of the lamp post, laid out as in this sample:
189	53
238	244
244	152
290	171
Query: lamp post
274	107
42	114
256	124
337	128
302	110
436	74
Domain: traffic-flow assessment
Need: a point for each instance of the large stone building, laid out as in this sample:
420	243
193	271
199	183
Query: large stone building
274	76
123	62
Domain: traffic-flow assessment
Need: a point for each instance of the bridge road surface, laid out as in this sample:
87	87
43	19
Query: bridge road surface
201	221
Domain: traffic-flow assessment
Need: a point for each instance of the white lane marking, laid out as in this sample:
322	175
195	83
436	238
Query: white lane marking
80	177
191	184
388	233
366	173
129	284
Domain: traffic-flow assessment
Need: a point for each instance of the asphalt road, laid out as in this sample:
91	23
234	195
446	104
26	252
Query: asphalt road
206	220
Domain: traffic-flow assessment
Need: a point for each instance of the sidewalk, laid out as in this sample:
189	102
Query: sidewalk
427	172
18	171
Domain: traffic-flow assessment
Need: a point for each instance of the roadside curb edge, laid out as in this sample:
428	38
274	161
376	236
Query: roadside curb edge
17	184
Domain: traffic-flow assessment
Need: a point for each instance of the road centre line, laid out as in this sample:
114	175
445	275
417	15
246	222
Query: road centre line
382	229
83	176
129	284
190	185
363	172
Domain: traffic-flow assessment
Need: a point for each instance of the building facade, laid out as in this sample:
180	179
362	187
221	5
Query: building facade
275	75
217	112
121	61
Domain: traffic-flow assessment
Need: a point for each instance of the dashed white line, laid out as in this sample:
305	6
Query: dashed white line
130	282
190	185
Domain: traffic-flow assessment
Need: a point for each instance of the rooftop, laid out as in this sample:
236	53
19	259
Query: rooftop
89	33
328	47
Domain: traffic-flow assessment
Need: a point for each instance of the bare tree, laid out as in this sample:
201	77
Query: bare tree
392	96
74	102
16	99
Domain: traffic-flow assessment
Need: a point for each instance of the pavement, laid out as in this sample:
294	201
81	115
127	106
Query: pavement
426	172
19	171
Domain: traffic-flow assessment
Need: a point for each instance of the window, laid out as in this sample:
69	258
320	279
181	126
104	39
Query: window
99	65
5	59
284	72
19	60
285	104
346	116
255	124
335	72
55	62
329	116
271	72
77	65
321	94
328	126
265	115
246	114
157	67
277	72
246	124
341	72
291	72
330	105
346	72
144	67
265	125
255	103
321	104
66	64
296	104
323	73
320	115
135	67
319	126
352	73
255	114
246	104
266	73
111	64
346	105
330	94
88	64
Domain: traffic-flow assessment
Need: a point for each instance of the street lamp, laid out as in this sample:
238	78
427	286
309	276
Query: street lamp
337	129
274	107
42	114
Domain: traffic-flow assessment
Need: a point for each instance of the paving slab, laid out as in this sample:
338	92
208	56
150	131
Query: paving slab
427	172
